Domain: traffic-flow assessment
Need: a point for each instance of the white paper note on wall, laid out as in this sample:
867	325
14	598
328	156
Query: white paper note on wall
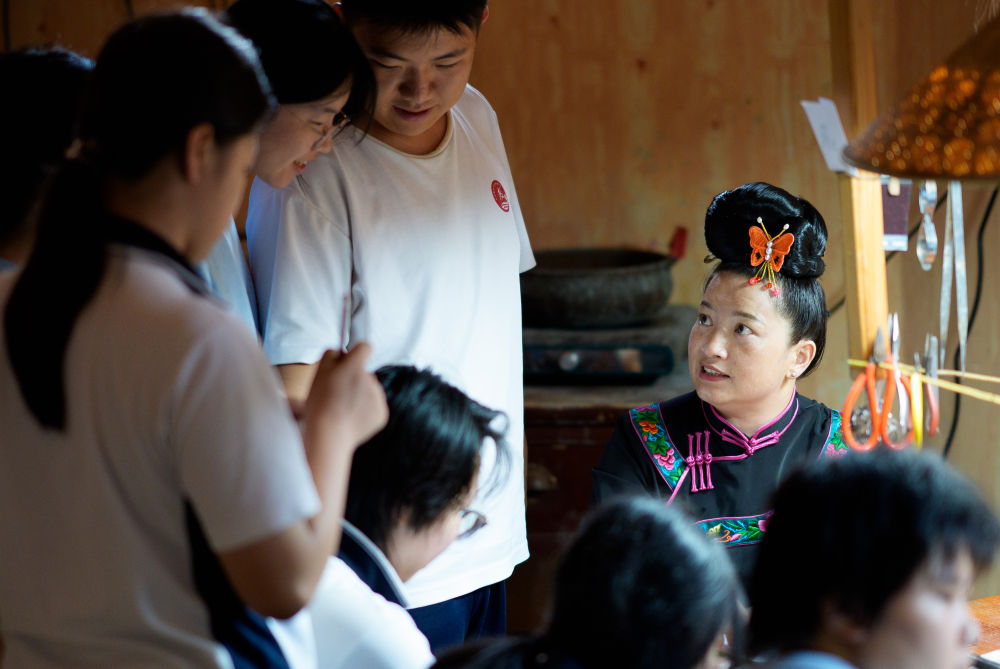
829	132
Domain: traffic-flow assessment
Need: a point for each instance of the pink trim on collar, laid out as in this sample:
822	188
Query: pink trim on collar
755	442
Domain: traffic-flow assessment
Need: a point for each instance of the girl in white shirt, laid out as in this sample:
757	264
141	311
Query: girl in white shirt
155	494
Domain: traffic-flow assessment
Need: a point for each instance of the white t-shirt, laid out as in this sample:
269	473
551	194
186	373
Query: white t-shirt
428	250
356	627
226	274
169	401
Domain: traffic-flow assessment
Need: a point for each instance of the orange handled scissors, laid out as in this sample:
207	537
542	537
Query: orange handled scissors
897	387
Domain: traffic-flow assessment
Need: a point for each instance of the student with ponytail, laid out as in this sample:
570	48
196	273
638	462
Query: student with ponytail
37	124
156	498
721	450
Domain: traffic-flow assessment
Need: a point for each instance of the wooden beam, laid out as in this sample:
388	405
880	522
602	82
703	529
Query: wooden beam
854	92
864	263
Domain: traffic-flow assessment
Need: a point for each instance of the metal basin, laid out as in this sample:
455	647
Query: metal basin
596	288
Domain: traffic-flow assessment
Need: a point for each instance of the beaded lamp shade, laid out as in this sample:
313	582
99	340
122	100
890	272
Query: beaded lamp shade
948	126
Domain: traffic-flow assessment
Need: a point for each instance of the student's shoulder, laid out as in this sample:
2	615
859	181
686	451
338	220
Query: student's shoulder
151	295
310	194
372	630
473	96
474	105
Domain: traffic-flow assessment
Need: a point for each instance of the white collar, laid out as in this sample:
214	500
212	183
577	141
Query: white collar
376	554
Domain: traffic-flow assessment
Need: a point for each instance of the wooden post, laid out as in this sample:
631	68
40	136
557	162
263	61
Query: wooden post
853	63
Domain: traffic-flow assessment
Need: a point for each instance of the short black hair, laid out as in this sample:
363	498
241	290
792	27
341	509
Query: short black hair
306	50
43	89
801	300
416	17
423	462
851	532
640	586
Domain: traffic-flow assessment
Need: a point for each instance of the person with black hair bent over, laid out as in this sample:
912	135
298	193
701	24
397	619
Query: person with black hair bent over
408	499
868	564
721	450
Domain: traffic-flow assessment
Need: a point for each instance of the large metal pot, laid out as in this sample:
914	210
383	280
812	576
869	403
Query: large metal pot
596	288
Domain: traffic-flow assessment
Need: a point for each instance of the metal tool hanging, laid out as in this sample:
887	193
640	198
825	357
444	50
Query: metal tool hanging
927	241
954	260
875	422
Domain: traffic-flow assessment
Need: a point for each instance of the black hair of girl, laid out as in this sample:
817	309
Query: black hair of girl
423	462
156	78
416	17
307	52
641	587
638	586
43	89
850	533
801	300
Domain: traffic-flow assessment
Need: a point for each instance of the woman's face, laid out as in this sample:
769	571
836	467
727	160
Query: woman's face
739	353
295	137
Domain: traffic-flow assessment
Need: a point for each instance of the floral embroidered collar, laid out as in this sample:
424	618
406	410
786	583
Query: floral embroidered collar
766	435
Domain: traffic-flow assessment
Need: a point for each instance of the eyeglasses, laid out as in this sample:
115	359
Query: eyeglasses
340	119
471	522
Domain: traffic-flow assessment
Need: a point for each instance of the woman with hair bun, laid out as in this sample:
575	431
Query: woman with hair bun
721	450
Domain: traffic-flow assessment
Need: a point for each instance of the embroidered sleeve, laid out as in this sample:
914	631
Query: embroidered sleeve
835	446
736	531
652	433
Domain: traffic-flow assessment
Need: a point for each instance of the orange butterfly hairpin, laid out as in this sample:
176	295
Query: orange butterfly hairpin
768	252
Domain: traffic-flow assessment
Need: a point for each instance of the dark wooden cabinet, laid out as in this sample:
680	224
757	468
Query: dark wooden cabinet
566	429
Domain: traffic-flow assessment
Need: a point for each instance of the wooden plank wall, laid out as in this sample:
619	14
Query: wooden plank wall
622	119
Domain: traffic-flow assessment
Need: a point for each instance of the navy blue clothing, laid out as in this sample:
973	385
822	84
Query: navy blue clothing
236	626
481	613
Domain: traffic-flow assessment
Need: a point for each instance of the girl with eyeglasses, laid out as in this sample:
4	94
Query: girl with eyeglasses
407	501
320	79
156	497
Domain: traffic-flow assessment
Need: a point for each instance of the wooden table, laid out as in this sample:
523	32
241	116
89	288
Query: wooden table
987	612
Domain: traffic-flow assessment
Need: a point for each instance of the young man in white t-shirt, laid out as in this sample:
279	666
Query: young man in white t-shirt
412	238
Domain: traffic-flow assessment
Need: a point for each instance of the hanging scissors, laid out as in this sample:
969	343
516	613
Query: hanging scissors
878	412
925	366
930	363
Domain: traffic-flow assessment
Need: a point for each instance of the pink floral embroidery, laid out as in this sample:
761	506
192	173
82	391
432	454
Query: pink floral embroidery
762	524
665	461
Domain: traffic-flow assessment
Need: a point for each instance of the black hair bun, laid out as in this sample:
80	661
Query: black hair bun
733	212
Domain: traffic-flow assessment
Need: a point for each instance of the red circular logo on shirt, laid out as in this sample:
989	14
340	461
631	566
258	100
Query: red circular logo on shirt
500	195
